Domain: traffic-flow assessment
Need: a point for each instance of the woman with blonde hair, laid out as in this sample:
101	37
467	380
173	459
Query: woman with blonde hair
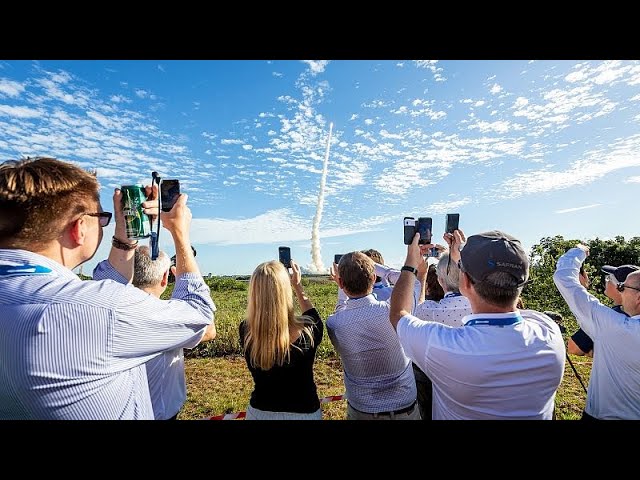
280	347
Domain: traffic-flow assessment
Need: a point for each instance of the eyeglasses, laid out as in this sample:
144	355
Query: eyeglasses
621	286
104	217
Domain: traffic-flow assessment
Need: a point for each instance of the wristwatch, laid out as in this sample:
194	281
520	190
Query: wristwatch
409	268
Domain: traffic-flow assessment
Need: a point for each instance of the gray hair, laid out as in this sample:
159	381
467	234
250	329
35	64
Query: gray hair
449	281
147	272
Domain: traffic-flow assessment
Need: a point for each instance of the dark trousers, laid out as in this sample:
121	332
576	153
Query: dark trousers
425	395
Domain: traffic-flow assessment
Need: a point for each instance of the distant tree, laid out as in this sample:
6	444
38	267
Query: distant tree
541	294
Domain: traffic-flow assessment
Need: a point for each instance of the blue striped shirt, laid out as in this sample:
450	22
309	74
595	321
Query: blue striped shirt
73	349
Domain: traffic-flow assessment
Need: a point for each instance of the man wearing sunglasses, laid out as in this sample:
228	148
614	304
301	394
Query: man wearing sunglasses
580	343
504	363
73	349
614	385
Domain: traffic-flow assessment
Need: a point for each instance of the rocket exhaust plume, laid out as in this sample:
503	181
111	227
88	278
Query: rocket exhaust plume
315	233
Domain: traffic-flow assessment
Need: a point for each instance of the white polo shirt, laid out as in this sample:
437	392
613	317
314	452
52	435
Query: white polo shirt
488	372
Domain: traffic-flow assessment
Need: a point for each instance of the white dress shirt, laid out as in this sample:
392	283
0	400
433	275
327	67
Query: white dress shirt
450	310
483	372
377	374
614	385
73	349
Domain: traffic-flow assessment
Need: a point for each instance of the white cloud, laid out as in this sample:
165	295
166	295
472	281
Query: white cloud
432	66
316	66
231	141
10	88
19	112
635	179
575	209
142	93
499	126
495	89
120	99
161	68
591	166
277	74
275	226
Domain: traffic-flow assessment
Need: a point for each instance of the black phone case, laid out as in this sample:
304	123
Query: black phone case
337	257
424	225
409	231
452	223
169	194
284	254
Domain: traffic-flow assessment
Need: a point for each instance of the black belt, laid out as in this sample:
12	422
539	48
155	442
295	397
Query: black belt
388	414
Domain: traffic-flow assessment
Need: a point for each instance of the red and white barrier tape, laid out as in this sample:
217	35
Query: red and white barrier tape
241	415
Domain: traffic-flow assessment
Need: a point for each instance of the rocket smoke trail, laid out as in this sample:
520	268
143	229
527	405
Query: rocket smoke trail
315	233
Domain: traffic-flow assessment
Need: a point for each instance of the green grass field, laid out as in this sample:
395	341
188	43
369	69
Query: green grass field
218	380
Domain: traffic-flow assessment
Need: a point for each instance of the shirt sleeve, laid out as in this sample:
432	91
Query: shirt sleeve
318	327
387	274
105	271
582	340
414	335
189	289
144	324
342	300
591	315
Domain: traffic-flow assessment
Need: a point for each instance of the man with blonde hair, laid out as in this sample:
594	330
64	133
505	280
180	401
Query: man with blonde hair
73	349
165	373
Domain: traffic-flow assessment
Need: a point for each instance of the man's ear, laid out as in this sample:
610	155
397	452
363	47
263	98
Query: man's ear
340	283
165	278
173	270
78	231
464	281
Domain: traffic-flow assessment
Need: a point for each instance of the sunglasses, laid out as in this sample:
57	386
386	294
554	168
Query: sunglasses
104	217
621	286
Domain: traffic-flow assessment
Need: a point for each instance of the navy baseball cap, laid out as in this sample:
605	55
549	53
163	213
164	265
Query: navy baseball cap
494	251
620	272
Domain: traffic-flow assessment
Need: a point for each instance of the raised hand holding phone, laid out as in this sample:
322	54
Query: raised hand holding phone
284	255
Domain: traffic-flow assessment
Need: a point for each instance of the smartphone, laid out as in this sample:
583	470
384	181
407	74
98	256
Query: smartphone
409	230
337	257
432	252
453	220
424	228
169	193
284	254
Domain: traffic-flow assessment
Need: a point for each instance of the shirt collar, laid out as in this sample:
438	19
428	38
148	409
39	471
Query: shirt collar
452	294
361	302
480	316
25	257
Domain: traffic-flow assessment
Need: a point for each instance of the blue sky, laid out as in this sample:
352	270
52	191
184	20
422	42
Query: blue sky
534	148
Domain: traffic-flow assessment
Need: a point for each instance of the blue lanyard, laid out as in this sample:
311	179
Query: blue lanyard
452	294
375	287
16	270
495	321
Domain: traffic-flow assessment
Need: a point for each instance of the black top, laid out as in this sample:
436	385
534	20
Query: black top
291	387
583	341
